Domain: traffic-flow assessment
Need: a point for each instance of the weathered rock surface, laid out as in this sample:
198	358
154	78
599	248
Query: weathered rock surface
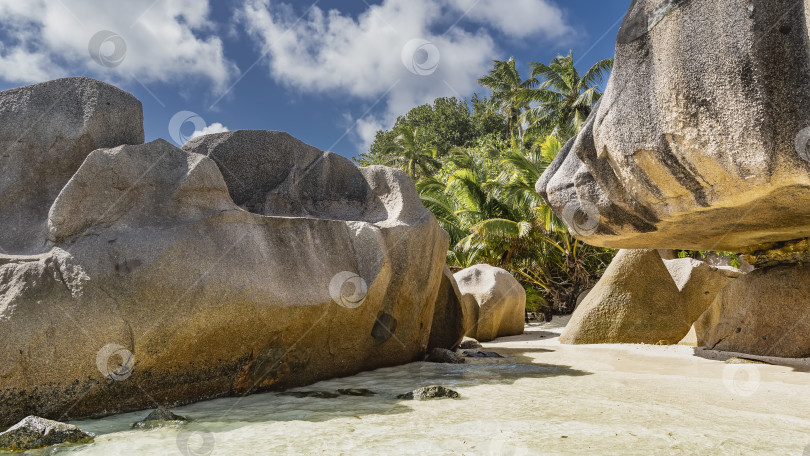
443	355
700	140
272	173
796	251
430	392
358	392
581	297
159	417
698	283
500	297
35	432
765	313
158	282
469	342
635	301
46	132
471	313
449	319
642	299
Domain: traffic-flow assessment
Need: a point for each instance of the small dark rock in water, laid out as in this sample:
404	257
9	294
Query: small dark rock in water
441	355
430	392
315	394
35	432
469	342
356	392
480	354
159	417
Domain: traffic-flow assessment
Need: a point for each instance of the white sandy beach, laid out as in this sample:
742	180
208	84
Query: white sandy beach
543	399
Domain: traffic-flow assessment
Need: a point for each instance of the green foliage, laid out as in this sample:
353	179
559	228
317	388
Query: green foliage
493	215
407	153
441	126
476	165
487	121
561	99
733	258
536	302
506	84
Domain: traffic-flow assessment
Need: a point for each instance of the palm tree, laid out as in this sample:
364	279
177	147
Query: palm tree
517	231
561	99
505	82
409	156
502	221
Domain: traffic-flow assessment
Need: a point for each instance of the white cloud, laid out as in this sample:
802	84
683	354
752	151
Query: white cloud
366	130
166	41
333	53
215	127
518	18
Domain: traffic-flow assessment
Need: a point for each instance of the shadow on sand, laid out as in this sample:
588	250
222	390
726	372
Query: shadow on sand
797	364
232	413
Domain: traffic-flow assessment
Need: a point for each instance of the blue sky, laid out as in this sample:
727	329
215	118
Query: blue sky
330	73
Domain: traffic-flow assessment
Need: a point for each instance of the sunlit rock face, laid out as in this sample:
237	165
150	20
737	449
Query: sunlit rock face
701	140
149	283
46	132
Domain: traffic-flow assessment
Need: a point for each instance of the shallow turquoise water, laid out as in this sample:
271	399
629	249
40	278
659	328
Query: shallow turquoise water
545	399
274	423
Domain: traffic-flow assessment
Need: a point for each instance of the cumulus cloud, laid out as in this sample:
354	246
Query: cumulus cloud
366	129
215	127
400	53
165	41
518	18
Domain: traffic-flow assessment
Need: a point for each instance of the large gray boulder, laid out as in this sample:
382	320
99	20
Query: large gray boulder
159	287
46	131
642	299
700	140
500	298
699	283
763	313
635	301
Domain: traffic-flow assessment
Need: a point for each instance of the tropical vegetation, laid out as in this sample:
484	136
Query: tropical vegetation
476	163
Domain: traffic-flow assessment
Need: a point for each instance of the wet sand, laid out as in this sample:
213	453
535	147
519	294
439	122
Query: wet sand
543	399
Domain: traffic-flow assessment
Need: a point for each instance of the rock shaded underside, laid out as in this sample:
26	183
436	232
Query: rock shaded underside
451	319
700	139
